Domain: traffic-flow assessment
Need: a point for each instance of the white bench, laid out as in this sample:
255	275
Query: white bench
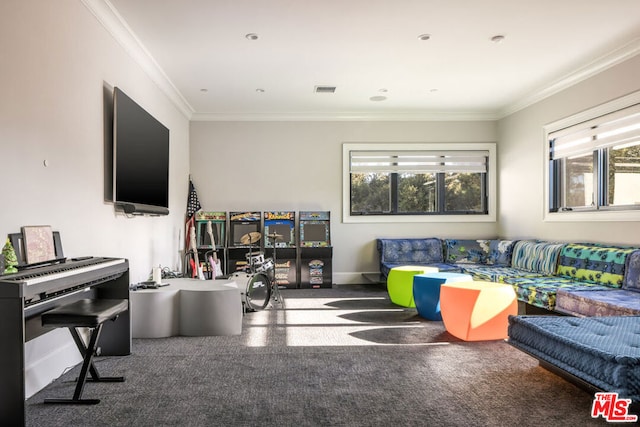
187	307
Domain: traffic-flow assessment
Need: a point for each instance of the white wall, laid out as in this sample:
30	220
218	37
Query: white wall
521	161
298	166
56	58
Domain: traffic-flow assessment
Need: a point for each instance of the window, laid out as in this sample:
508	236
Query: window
594	164
418	182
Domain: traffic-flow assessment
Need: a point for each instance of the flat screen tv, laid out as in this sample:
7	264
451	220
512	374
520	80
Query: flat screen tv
140	159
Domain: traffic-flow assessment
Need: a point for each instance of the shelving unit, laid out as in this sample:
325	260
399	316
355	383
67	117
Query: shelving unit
303	255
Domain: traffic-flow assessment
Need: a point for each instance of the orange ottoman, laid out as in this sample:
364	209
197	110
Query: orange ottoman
477	311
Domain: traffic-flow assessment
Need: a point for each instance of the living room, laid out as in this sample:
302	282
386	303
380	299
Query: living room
61	61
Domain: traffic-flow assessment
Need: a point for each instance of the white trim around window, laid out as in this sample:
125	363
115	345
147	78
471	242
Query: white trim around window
558	128
489	147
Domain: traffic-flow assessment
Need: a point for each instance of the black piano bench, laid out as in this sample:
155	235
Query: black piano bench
85	313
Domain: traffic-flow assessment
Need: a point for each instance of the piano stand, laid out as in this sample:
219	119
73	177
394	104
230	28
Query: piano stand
85	313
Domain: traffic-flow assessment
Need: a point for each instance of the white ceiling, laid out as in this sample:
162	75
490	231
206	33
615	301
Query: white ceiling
198	52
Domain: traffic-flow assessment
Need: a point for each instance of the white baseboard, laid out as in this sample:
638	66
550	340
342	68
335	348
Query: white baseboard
351	278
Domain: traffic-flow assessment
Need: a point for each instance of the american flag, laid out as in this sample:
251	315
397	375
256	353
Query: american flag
193	204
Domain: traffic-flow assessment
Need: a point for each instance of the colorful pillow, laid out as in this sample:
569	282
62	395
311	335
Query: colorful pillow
422	251
466	251
594	263
500	252
538	257
632	276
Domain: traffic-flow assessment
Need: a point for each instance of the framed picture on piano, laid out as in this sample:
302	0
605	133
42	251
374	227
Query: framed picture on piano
18	243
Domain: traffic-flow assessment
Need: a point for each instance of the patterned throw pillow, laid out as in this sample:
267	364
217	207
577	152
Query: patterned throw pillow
632	275
408	251
500	252
594	263
537	257
466	251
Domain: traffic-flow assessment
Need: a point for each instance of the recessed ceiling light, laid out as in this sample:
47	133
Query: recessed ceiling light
497	38
260	90
434	90
383	90
204	90
251	36
424	37
378	98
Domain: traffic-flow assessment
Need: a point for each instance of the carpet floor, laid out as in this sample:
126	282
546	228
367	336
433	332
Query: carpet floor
344	356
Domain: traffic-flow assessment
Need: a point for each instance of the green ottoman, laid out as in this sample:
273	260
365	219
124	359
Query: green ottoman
400	283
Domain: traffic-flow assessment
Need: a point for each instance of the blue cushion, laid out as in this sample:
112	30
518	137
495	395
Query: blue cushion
466	251
410	250
632	276
500	252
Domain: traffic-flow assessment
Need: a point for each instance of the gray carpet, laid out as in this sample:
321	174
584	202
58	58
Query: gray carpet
343	357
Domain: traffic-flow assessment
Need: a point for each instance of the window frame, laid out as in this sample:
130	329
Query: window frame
553	175
491	182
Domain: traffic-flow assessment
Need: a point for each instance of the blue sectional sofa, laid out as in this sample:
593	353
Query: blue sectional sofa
581	279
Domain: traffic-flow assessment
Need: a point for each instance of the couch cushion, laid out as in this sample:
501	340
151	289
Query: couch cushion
541	291
410	251
537	257
494	273
632	273
603	351
593	263
609	302
500	252
466	251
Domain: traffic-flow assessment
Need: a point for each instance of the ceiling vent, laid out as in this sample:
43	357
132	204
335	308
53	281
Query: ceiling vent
324	89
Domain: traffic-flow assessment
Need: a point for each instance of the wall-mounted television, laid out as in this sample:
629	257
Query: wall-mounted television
140	159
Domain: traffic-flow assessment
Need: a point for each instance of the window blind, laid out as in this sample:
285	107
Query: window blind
618	128
418	161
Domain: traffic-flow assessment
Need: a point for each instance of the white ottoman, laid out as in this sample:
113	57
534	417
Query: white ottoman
207	308
154	312
187	307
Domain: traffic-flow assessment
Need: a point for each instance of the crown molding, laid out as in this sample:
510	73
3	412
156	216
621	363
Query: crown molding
396	116
113	22
109	17
604	62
